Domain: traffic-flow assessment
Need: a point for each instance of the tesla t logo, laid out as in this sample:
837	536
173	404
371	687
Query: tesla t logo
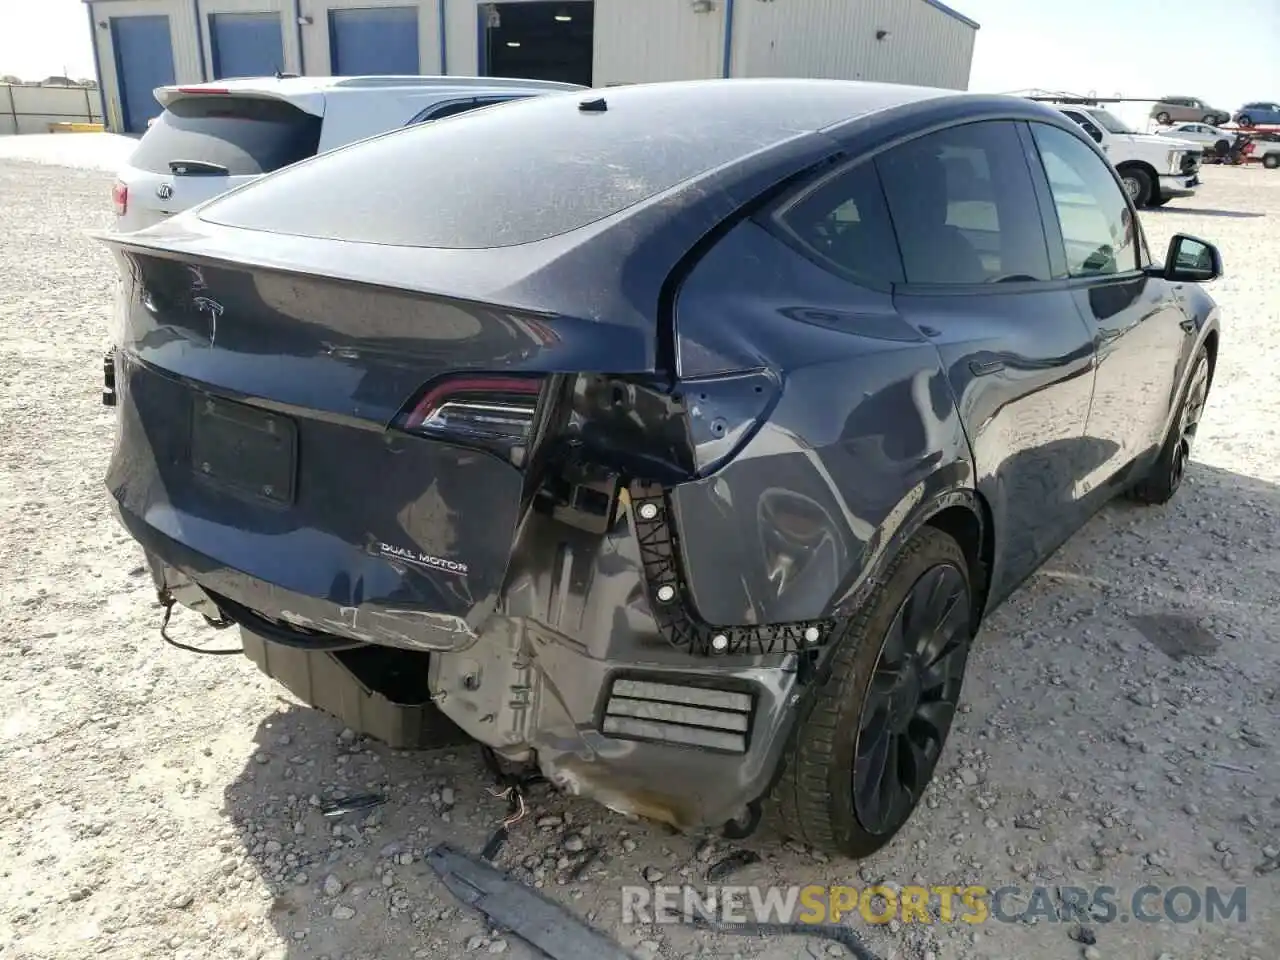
203	304
164	191
214	309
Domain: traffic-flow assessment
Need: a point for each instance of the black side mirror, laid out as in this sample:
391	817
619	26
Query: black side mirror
1192	260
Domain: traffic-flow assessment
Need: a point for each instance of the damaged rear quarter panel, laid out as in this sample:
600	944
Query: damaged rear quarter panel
864	436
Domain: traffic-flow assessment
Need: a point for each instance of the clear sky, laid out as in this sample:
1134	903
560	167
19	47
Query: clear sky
1227	51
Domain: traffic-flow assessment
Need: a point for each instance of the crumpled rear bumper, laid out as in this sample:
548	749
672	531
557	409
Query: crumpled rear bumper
688	744
692	742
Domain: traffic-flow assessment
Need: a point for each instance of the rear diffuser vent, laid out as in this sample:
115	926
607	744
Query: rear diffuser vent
680	715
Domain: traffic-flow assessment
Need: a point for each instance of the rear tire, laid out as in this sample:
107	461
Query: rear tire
1138	184
1165	476
1163	119
887	702
1245	121
1271	161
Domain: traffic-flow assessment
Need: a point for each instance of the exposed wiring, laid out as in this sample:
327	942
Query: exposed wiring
169	603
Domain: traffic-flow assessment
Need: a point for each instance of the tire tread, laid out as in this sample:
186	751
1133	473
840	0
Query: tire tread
801	805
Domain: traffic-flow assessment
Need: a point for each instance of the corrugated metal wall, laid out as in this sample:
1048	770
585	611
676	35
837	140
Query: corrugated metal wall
32	109
837	39
635	40
462	37
656	40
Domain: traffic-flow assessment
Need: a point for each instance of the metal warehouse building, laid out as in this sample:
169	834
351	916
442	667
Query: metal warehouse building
143	44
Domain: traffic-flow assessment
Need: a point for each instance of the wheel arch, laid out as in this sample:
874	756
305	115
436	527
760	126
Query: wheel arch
1211	348
953	506
1142	165
968	521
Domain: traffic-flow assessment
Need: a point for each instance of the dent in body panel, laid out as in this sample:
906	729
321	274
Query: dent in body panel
863	417
410	491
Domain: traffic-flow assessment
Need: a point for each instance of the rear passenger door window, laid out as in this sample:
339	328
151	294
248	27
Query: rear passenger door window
964	208
1098	226
842	223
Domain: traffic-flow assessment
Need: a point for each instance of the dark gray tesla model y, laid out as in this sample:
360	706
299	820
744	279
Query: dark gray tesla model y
672	438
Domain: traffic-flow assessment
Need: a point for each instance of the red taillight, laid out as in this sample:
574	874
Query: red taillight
120	197
479	407
1247	148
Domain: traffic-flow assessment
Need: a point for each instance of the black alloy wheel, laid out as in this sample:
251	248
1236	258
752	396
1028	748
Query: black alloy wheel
1166	474
912	699
1189	421
870	731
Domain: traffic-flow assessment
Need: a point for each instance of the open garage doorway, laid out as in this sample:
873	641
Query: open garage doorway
538	39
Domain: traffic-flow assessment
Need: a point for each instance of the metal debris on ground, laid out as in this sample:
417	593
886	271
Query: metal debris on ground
588	856
731	864
361	801
494	845
521	910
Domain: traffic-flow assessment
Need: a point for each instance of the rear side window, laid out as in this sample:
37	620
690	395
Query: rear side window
247	136
964	207
843	223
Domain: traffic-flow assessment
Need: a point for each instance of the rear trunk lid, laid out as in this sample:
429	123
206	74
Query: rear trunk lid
208	141
338	456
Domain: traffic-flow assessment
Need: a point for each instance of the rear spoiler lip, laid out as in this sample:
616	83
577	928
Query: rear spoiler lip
518	280
242	248
312	103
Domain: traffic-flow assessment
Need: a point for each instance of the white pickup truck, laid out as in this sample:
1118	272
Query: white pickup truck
1154	169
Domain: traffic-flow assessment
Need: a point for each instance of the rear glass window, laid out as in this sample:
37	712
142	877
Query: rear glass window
516	173
246	135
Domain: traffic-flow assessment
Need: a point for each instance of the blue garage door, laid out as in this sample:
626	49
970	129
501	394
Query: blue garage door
144	61
246	44
368	41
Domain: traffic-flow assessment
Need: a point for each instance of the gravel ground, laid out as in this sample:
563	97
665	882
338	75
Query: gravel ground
1119	727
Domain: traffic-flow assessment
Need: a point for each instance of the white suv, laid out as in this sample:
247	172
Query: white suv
212	137
1154	169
